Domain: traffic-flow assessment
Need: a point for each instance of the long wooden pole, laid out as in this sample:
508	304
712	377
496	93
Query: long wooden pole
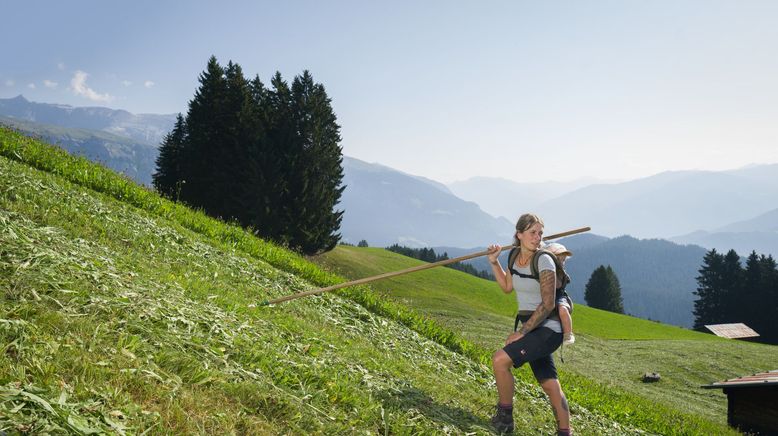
409	270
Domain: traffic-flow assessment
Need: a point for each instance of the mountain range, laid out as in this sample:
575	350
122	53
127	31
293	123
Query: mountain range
147	129
124	142
725	209
385	206
668	204
758	234
502	197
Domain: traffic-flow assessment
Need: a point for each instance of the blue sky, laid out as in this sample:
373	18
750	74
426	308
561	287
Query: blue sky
528	91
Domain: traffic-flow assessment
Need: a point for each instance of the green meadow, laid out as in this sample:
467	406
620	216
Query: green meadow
611	350
124	313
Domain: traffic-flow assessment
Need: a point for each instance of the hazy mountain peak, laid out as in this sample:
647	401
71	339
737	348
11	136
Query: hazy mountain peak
148	129
493	194
766	222
386	206
376	167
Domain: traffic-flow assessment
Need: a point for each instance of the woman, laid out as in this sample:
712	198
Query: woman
538	336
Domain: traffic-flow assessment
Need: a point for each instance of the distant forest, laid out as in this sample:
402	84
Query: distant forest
729	293
429	255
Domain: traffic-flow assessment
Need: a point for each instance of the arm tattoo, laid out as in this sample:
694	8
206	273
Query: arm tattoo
547	293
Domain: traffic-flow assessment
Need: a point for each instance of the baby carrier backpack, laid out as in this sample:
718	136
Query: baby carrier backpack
561	275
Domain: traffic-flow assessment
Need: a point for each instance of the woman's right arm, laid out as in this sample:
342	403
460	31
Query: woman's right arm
503	278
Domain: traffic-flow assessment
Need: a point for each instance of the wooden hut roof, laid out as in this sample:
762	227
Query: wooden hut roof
769	378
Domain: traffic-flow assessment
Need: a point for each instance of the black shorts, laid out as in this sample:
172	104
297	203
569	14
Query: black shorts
536	347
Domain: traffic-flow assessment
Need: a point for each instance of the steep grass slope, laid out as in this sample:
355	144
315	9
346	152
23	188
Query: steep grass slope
612	350
121	312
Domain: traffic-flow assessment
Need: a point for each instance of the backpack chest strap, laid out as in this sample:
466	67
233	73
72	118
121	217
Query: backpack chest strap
526	276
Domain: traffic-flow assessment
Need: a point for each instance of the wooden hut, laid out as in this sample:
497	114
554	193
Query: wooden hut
752	402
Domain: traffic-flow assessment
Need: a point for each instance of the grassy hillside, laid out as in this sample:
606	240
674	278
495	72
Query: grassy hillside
612	350
122	312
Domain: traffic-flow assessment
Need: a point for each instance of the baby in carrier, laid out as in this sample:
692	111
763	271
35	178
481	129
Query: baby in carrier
563	303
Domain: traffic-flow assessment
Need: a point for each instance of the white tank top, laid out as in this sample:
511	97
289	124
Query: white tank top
528	290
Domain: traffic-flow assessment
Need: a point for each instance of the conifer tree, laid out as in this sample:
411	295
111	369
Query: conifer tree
232	167
758	307
276	166
752	291
768	300
720	290
266	165
167	177
709	306
316	160
603	290
205	127
732	288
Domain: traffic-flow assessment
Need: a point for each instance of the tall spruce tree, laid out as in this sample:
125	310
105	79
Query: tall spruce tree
233	173
603	290
758	305
709	306
201	155
732	291
746	311
267	163
278	166
768	300
317	161
167	177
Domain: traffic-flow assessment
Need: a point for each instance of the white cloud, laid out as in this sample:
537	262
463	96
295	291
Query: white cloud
148	84
78	86
31	85
126	83
10	82
50	84
61	66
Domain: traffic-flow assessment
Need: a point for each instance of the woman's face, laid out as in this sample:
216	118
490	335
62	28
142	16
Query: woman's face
531	237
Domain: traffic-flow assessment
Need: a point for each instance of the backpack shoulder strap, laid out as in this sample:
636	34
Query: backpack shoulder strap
512	260
514	253
561	274
536	258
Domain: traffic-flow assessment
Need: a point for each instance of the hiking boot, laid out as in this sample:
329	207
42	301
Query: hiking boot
569	339
503	421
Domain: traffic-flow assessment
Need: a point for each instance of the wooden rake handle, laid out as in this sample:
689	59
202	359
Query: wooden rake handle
409	270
